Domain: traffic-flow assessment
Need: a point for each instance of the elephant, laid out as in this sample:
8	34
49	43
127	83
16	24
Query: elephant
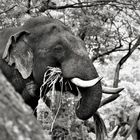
27	51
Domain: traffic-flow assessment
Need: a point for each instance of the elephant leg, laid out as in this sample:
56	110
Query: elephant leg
30	94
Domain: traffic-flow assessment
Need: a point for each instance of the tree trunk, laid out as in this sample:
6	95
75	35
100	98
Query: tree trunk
16	119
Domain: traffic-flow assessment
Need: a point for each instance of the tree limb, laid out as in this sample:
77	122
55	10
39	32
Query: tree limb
88	4
123	60
109	99
28	6
106	53
8	9
116	78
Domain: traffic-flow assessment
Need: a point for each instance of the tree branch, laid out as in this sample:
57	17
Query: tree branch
28	6
123	60
109	99
106	53
8	9
87	4
116	78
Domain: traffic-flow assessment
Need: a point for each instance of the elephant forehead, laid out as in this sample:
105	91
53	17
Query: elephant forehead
64	38
75	44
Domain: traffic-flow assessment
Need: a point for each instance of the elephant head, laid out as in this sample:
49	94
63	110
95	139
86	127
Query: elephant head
43	42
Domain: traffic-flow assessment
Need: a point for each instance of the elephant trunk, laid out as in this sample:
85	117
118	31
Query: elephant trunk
91	96
89	102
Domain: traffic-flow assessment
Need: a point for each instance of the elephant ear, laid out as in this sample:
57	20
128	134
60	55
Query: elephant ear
19	53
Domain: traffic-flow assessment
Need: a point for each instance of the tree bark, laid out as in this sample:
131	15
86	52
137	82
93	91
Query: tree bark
16	118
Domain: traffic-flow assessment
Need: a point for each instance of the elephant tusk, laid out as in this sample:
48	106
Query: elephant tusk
85	83
109	90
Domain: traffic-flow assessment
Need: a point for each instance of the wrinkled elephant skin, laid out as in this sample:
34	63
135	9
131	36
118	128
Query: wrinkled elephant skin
28	50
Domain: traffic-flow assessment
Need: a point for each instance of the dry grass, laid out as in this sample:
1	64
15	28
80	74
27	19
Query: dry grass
51	77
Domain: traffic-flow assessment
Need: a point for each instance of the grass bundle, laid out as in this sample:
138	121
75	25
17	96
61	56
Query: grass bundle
51	77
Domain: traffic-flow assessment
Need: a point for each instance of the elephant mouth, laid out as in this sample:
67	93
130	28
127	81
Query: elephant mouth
53	80
54	83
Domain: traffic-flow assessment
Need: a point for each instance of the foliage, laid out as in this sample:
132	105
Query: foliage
129	98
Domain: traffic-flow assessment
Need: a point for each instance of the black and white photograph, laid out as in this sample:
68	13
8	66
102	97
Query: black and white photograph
69	70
